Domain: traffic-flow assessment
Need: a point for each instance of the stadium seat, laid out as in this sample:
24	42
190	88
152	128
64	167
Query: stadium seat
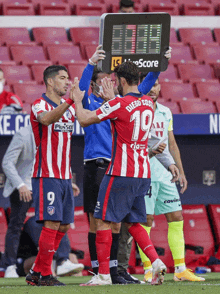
37	72
195	35
78	235
198	9
216	68
189	107
210	91
85	34
51	35
173	106
197	233
217	34
218	106
18	9
5	57
15	36
158	235
64	54
76	70
198	73
3	229
17	74
29	93
172	9
29	55
90	9
54	8
176	91
181	54
173	36
169	75
207	54
214	212
89	50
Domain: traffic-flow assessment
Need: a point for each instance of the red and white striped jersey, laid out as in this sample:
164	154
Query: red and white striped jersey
53	142
131	119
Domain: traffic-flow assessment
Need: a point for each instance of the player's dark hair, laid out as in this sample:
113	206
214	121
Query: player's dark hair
129	71
126	3
96	71
52	70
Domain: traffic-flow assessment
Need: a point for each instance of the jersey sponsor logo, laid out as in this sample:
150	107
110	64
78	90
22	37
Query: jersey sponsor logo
63	127
144	63
136	146
50	210
105	108
116	61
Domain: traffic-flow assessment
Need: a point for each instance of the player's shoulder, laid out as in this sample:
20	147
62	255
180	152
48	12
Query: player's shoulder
162	108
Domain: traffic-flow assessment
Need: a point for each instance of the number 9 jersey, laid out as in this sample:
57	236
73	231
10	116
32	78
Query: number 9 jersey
131	119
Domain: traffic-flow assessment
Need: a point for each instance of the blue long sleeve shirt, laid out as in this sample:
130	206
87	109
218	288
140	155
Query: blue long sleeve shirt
98	140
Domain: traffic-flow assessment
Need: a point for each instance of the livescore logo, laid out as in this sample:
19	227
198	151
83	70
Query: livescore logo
141	63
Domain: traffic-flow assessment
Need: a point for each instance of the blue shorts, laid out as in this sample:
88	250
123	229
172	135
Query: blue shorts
53	200
121	199
163	198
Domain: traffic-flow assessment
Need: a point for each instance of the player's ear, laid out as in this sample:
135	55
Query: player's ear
50	81
123	81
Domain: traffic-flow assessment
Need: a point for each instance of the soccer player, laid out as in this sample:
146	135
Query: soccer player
52	120
162	190
128	175
97	155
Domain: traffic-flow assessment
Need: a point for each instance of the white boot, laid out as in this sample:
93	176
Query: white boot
67	267
159	270
10	272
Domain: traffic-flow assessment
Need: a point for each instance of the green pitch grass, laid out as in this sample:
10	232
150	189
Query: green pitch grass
210	286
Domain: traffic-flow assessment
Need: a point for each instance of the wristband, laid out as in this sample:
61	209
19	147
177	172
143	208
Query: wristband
69	101
91	62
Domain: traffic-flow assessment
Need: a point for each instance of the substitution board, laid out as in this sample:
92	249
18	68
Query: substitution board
142	38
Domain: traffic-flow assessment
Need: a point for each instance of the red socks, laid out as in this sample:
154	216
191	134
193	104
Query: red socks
103	248
140	235
59	237
46	251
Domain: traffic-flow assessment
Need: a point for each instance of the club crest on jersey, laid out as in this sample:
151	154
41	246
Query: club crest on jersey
37	107
68	114
105	108
50	210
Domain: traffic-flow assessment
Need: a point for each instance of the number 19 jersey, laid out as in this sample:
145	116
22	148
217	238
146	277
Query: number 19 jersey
131	119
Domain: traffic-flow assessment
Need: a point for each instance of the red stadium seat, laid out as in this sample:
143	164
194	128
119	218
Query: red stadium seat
78	234
216	68
91	9
76	70
197	232
198	73
29	55
18	9
3	229
198	9
195	35
181	54
158	235
173	106
29	93
207	54
89	50
84	34
17	74
51	35
218	106
176	90
15	36
214	212
64	54
217	34
208	91
5	57
37	71
172	9
26	108
170	74
197	107
54	8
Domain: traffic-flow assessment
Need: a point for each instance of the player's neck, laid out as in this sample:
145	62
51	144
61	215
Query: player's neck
155	106
131	89
54	97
